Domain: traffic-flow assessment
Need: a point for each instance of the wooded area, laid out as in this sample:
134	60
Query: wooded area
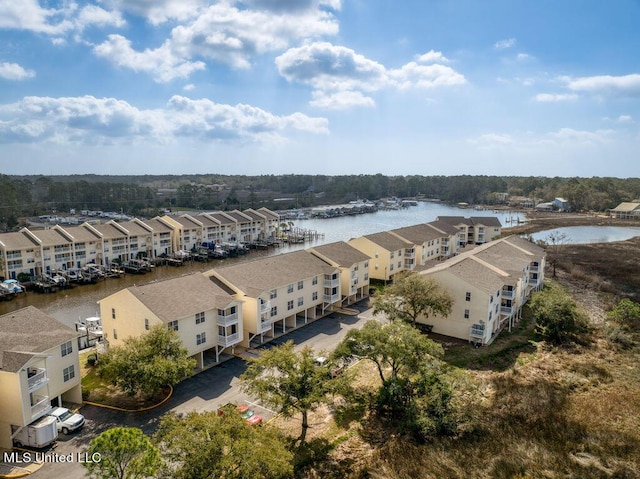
147	195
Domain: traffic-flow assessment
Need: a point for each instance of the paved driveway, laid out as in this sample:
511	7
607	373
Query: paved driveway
205	391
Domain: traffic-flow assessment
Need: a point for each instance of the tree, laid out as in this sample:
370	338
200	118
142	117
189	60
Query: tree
122	453
208	445
397	349
558	318
147	363
289	381
411	297
626	313
554	243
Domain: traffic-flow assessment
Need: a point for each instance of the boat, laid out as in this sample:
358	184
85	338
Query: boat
12	286
90	330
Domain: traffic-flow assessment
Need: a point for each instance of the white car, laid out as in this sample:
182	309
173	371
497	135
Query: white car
66	420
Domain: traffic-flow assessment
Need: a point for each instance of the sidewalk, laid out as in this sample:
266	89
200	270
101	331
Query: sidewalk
16	463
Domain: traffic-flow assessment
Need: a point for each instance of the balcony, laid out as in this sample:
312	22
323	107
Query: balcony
264	326
354	275
533	281
408	264
331	298
227	319
41	405
331	283
37	377
534	268
508	293
409	253
508	310
228	340
265	306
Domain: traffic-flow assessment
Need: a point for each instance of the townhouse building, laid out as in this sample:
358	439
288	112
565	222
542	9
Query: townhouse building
426	242
227	224
390	254
475	229
489	285
204	314
354	269
211	231
163	237
450	240
281	293
139	239
188	231
37	370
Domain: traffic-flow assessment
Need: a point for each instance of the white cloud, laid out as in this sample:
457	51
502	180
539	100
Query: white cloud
625	119
492	140
521	57
332	69
504	44
570	135
13	71
161	62
432	57
189	87
340	100
555	97
94	15
625	85
90	120
159	11
29	15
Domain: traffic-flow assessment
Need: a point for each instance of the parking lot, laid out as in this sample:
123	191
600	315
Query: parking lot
206	391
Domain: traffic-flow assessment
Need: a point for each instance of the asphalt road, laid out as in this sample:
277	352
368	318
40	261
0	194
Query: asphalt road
205	391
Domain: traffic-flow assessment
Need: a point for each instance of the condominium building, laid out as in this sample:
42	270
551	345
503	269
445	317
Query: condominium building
390	254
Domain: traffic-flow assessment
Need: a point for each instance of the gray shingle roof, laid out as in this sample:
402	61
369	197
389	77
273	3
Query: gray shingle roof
16	241
341	253
261	275
388	241
444	226
418	234
180	297
486	221
27	332
479	275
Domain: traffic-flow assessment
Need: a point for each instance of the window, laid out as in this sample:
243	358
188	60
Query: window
491	299
146	324
290	288
300	301
314	297
201	338
274	311
289	305
300	285
273	294
366	264
66	348
392	254
490	315
113	313
466	314
200	318
172	325
68	373
115	333
366	276
468	296
315	280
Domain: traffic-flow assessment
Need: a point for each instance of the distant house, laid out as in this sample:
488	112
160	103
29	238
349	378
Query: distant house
628	210
561	204
39	368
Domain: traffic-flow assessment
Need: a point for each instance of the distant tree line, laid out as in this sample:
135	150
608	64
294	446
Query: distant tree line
147	195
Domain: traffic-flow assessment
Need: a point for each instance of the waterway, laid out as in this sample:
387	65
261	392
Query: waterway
589	234
79	302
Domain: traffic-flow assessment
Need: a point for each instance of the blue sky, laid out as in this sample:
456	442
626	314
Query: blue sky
430	87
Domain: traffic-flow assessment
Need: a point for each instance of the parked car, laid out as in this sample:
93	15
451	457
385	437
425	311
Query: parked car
67	421
335	370
248	414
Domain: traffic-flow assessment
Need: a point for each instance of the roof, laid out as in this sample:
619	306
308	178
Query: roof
506	257
418	234
17	241
479	275
27	332
256	277
626	207
51	237
254	215
341	253
83	233
207	221
444	227
135	228
486	221
388	241
455	220
180	297
222	218
158	225
187	221
269	214
111	230
238	216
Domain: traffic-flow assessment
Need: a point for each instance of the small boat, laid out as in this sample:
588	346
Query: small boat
90	330
12	286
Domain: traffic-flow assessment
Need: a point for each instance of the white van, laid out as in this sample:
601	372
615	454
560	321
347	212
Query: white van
39	433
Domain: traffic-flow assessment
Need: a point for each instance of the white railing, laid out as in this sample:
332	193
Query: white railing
265	326
41	405
410	254
330	283
506	309
265	307
533	281
329	298
534	268
508	293
227	320
228	340
38	379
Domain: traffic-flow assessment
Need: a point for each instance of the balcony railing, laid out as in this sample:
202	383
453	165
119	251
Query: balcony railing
264	326
331	298
41	405
37	380
228	340
410	254
354	275
265	307
508	293
506	309
331	283
534	268
227	319
533	281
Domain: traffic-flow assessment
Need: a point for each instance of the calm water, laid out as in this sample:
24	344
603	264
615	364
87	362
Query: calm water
80	302
591	234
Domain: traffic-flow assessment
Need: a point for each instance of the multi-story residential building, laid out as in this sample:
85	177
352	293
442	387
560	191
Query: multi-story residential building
20	252
258	224
427	243
489	285
280	293
39	368
475	229
271	224
243	226
389	254
163	237
205	315
115	242
210	228
354	269
450	241
228	226
140	238
187	230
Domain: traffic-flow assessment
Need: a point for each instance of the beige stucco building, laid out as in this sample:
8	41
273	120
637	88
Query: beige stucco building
39	368
390	254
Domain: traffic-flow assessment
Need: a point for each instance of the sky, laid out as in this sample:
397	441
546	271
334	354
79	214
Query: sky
427	87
